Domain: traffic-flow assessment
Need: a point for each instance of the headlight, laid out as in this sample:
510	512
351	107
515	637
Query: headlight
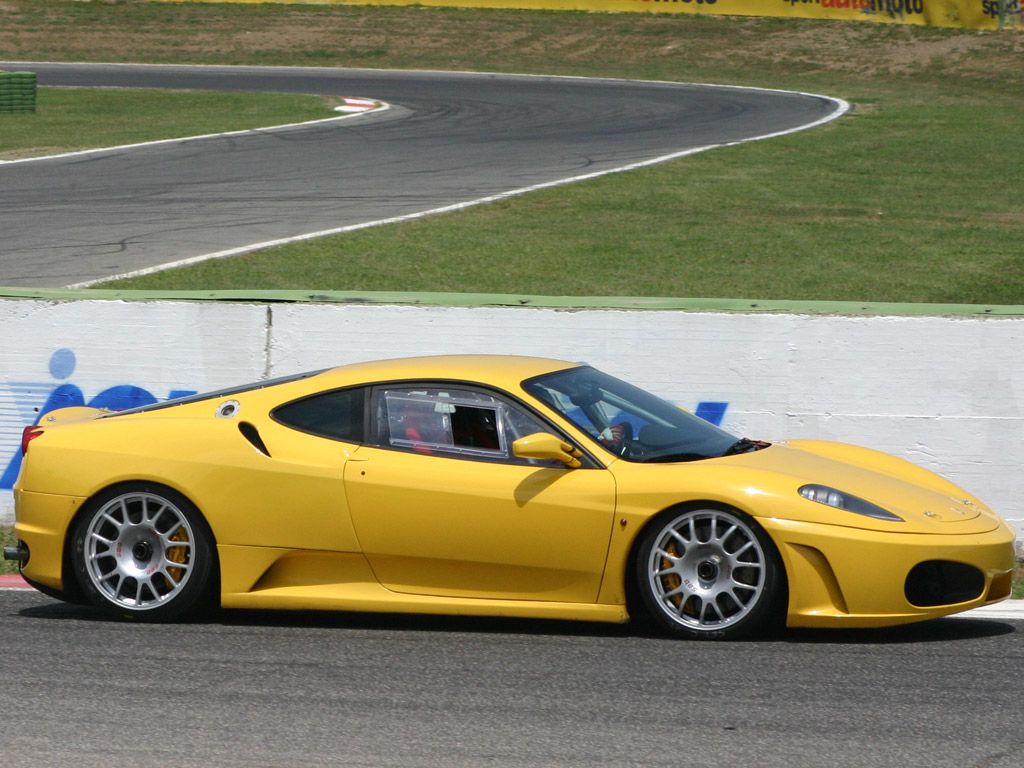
830	497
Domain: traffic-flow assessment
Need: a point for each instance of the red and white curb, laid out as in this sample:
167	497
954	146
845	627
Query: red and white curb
12	581
353	106
1008	609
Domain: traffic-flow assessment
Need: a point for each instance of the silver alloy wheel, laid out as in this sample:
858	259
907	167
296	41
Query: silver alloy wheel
706	570
139	551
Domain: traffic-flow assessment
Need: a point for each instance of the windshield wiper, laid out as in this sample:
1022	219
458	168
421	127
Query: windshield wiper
671	457
745	445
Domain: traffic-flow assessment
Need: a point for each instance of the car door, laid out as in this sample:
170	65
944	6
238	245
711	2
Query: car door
441	507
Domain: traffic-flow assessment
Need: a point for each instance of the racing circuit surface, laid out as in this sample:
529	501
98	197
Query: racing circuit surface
270	689
448	138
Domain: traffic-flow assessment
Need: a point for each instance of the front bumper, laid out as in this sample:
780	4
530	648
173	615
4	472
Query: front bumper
846	577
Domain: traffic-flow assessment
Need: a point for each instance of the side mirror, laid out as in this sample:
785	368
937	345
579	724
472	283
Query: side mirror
542	445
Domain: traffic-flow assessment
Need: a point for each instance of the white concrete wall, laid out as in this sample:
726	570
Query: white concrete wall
946	393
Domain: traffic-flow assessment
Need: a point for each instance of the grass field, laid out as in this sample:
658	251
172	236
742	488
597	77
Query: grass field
7	537
911	198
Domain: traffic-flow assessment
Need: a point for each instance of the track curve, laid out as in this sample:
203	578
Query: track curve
449	139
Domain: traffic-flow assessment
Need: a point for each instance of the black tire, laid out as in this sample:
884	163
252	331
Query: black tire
709	573
143	552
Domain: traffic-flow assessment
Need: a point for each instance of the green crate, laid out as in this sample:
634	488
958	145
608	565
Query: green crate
17	92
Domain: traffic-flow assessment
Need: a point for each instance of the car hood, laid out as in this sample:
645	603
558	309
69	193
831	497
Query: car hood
926	502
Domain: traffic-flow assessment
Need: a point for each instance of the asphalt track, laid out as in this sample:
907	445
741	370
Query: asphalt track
271	689
447	139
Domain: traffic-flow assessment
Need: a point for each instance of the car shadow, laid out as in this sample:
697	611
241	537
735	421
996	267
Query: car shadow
934	631
58	611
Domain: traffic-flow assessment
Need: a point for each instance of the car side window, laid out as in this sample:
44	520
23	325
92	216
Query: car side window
338	415
454	422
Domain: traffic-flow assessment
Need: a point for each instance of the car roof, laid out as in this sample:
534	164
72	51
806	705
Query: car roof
502	371
506	371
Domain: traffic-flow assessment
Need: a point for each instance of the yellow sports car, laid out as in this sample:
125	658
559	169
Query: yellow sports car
488	485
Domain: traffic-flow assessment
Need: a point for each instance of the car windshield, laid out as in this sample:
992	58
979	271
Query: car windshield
630	422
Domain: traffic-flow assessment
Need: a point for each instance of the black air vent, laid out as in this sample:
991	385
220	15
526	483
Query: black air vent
942	582
250	433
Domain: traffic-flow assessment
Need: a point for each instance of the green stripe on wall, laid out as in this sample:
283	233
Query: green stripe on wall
517	300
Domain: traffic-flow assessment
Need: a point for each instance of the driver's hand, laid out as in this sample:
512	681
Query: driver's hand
613	436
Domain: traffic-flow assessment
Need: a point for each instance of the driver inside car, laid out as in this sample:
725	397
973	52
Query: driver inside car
617	437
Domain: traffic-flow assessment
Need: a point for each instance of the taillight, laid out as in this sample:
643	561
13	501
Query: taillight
28	434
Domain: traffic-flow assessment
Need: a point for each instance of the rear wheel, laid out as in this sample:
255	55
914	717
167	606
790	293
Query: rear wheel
709	573
143	552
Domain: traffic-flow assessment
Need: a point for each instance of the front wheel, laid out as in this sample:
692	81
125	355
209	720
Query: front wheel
709	574
143	552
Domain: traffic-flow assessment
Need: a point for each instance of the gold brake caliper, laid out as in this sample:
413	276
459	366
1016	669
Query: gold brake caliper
672	581
177	554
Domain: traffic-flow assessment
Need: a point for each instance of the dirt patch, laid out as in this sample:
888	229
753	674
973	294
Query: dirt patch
876	49
1011	217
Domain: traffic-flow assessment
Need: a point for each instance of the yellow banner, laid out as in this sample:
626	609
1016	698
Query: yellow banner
972	14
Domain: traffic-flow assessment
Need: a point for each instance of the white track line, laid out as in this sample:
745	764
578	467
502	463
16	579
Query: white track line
202	137
1008	609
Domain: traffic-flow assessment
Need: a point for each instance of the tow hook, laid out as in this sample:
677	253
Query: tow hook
17	552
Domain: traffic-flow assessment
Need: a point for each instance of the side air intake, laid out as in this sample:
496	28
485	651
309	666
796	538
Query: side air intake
250	433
